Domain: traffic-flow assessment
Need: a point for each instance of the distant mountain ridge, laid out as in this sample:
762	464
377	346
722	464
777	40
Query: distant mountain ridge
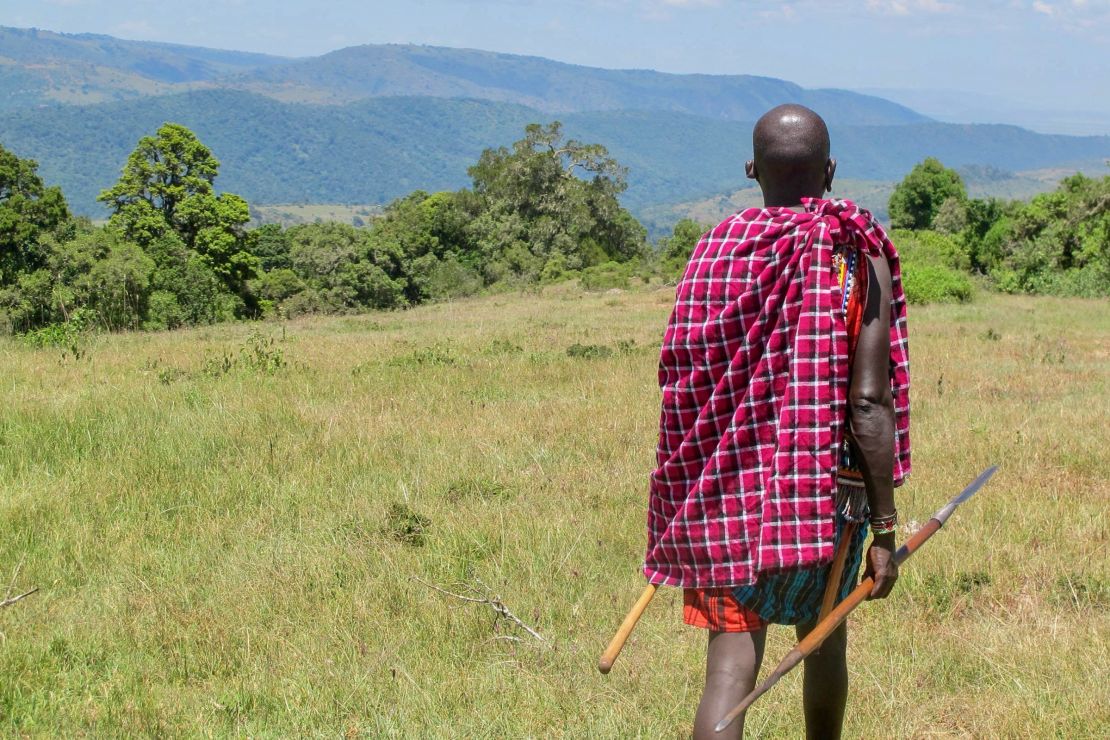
374	150
368	71
42	67
368	124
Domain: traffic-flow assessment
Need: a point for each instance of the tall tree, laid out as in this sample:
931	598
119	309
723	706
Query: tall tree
550	200
164	170
916	200
167	185
28	209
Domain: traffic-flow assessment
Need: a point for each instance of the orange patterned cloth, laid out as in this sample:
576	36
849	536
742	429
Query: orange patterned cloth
718	610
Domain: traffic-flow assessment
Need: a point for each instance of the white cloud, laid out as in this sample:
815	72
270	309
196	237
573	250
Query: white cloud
1043	7
906	7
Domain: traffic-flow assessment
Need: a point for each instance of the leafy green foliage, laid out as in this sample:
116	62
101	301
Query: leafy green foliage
933	267
1058	243
166	186
551	201
917	200
675	250
28	210
163	171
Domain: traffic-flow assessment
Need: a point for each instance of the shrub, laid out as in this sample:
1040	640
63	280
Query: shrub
931	248
589	351
931	283
607	276
450	278
164	311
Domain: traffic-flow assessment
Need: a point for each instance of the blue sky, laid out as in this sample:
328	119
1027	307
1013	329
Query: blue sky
1013	55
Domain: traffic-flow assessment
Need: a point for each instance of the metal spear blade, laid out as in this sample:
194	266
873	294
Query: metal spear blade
946	511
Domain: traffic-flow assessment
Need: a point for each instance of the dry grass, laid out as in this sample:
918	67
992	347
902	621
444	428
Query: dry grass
234	553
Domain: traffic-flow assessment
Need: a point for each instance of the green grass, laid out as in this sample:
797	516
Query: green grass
293	213
236	552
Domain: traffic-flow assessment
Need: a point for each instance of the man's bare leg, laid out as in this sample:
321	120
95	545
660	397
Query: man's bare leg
731	665
825	686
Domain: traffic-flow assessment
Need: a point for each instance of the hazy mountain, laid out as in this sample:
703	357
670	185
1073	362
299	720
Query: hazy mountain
38	67
374	150
1085	117
380	71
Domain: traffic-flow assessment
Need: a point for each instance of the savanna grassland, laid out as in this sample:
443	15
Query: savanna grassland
232	529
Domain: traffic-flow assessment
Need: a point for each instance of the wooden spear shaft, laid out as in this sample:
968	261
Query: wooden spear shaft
837	616
836	573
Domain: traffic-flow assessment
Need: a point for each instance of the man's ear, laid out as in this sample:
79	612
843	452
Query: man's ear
749	170
830	173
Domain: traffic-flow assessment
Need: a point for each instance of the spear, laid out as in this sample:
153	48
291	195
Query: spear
827	625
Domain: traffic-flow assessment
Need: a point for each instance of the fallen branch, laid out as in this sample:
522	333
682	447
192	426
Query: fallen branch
13	599
485	596
8	599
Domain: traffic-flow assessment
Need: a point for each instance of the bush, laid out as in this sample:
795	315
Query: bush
164	311
607	276
931	248
450	278
933	267
932	283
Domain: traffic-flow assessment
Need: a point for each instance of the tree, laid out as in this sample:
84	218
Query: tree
167	186
28	210
424	239
270	244
1057	243
919	197
680	244
334	262
550	200
163	171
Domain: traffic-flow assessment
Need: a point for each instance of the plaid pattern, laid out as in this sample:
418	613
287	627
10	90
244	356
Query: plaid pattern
754	375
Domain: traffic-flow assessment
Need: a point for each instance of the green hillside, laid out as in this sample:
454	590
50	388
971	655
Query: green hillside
375	150
386	70
42	67
38	67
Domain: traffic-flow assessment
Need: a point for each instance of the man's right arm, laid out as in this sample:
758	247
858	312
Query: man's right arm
871	416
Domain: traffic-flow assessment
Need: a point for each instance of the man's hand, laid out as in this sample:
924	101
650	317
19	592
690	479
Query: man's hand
881	566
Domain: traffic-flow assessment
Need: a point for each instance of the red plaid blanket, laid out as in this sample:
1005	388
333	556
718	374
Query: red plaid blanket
754	375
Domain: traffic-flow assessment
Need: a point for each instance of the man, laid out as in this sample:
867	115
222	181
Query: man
784	372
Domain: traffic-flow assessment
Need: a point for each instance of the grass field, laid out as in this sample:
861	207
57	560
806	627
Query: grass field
293	214
232	535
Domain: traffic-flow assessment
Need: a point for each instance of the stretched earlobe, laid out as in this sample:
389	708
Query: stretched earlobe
749	170
830	174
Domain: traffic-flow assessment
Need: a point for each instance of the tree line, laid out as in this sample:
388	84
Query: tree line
177	253
1056	243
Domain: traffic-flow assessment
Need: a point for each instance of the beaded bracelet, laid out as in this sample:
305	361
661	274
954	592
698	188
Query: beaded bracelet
884	524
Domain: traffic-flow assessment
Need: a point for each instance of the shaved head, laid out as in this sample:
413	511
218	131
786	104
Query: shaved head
791	145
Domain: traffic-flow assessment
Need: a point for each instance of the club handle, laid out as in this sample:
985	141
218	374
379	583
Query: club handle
617	643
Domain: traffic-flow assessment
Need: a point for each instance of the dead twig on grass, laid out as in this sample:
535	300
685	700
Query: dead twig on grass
484	595
8	599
